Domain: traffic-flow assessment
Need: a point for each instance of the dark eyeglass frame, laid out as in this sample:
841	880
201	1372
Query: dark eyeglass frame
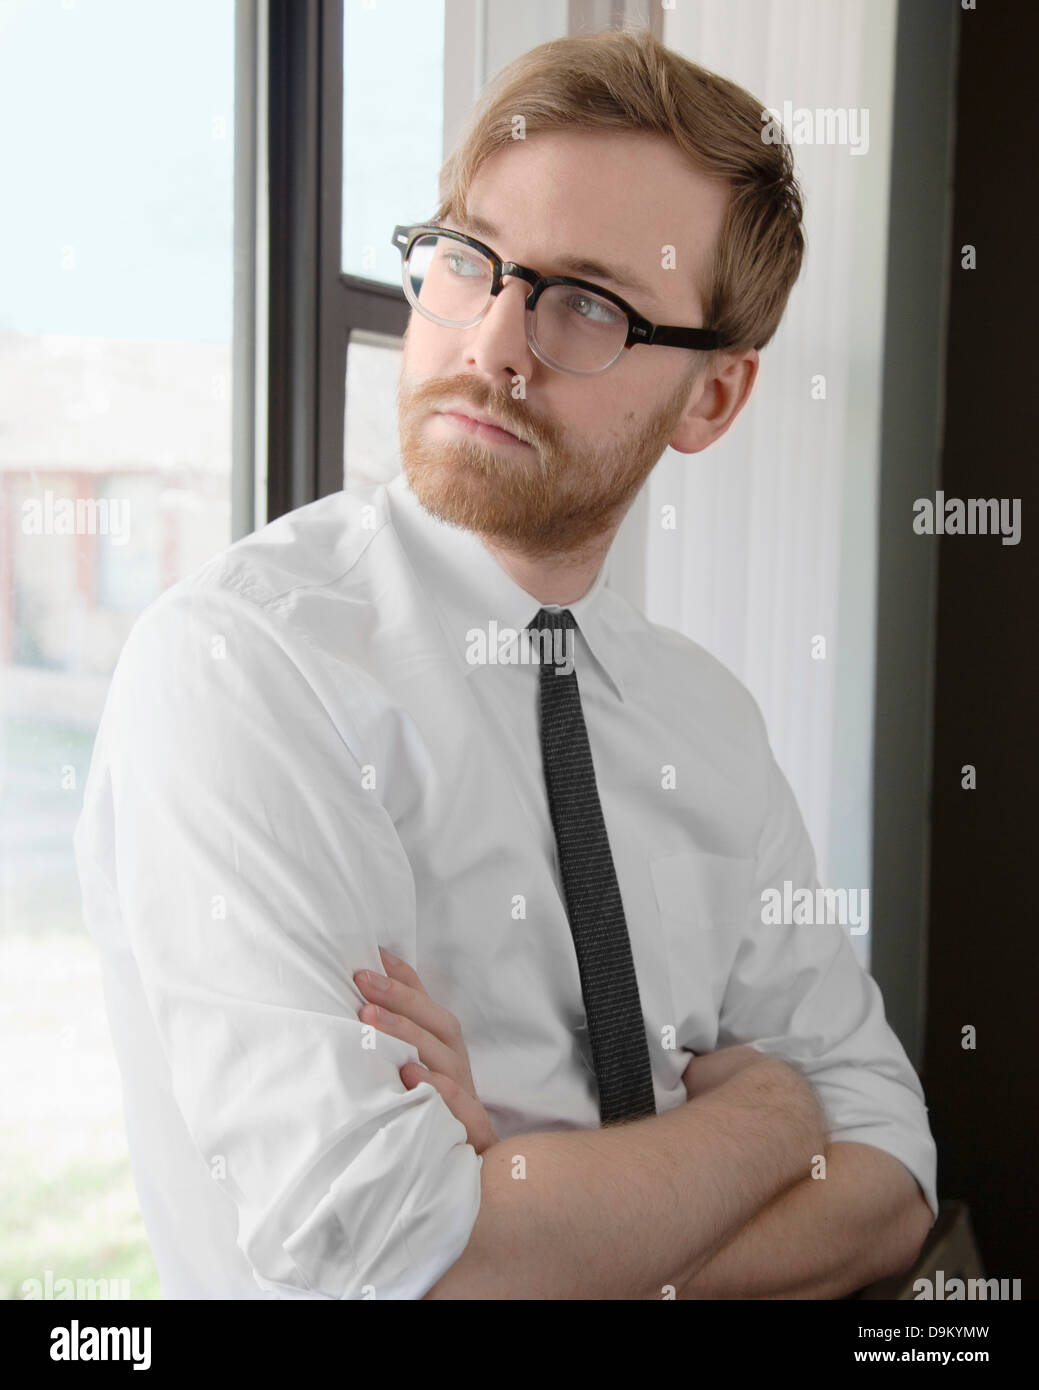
640	329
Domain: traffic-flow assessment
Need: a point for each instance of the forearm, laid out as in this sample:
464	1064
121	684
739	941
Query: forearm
823	1237
621	1212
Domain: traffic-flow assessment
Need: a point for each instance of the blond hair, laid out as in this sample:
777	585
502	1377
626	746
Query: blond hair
625	79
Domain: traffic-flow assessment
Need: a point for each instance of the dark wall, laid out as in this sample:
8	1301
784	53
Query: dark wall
982	960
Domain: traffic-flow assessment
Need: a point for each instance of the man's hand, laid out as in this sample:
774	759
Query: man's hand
710	1069
404	1010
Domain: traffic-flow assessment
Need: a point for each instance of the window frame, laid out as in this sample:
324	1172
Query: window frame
314	307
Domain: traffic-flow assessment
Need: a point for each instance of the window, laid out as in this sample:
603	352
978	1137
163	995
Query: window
392	131
116	287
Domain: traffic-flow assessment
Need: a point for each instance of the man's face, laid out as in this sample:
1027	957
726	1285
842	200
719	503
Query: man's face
585	444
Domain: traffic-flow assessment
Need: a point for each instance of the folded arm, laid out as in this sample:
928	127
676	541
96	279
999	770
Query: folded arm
798	991
629	1211
226	816
859	1216
620	1215
824	1237
613	1213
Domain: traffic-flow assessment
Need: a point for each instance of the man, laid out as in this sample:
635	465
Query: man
336	755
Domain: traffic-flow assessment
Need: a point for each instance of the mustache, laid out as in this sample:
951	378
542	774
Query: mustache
501	404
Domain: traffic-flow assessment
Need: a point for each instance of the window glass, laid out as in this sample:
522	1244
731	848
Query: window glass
372	373
116	266
393	102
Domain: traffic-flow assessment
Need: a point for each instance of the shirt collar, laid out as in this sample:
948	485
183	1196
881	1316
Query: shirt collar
471	589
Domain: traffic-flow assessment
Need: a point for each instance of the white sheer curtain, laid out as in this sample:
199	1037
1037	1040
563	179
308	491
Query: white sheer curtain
775	539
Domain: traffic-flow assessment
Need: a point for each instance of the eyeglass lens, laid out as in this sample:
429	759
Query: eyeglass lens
451	283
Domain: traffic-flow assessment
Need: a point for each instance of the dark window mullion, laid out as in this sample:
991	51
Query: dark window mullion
313	305
333	325
293	200
374	306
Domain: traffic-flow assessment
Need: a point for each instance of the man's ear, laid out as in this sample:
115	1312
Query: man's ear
718	397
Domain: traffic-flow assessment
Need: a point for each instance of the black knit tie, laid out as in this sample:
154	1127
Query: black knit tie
616	1027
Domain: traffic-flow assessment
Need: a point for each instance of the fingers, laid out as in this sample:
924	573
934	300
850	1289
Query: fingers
409	1000
432	1052
400	970
465	1108
403	1008
399	1005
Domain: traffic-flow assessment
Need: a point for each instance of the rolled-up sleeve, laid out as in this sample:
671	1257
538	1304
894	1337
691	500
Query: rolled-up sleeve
255	873
798	992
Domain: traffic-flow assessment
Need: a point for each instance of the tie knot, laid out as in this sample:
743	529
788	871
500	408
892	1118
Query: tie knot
555	646
563	619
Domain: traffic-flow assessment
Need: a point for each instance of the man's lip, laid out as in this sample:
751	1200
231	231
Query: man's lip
478	420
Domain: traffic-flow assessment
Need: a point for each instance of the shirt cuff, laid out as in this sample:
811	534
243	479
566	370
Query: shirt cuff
866	1108
394	1220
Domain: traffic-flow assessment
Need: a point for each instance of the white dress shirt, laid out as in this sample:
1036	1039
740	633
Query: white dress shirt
296	764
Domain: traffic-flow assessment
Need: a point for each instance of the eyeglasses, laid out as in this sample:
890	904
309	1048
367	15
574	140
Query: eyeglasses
572	325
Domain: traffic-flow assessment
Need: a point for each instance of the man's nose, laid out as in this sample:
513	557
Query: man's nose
499	341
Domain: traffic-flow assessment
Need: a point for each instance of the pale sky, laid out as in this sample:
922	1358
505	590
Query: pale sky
116	158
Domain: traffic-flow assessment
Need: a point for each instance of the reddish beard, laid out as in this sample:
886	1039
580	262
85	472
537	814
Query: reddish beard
553	498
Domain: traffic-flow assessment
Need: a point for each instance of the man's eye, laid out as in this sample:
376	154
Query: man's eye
593	310
464	265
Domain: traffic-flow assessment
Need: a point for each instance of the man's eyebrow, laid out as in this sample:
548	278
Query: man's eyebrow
580	266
